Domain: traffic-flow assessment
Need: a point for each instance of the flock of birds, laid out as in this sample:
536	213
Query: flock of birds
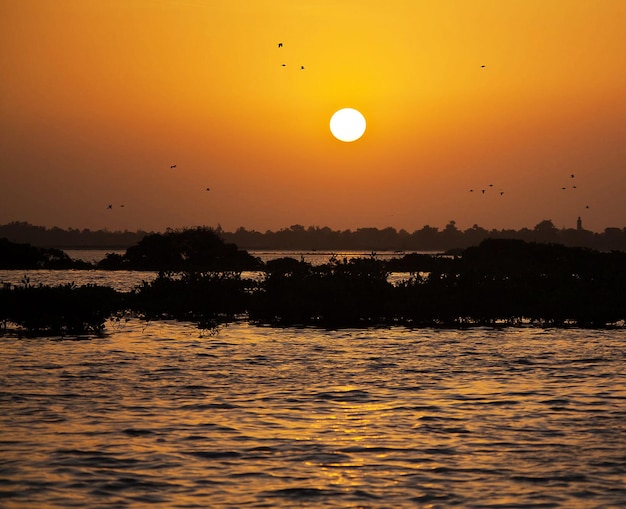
172	167
482	191
564	188
280	45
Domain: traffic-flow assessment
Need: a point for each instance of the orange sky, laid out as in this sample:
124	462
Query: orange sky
99	97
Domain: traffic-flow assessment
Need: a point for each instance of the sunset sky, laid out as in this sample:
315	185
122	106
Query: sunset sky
99	98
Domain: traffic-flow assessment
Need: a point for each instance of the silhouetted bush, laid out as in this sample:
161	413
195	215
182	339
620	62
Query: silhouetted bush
24	256
511	281
416	262
193	296
354	292
64	309
111	261
199	249
286	265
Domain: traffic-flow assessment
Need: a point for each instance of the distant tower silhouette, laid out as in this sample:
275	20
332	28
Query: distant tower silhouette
579	224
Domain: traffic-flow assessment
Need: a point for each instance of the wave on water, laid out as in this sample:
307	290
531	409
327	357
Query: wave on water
264	417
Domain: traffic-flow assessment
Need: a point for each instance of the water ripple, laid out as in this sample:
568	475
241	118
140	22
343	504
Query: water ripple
261	417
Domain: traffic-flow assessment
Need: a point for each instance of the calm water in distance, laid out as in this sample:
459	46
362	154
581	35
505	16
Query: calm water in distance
166	415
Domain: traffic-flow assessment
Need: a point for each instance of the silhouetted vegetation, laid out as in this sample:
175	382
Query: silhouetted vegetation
510	281
193	296
297	237
336	294
428	238
197	249
499	282
24	256
72	238
59	310
416	262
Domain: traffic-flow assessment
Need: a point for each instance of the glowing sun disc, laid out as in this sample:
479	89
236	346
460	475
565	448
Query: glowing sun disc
347	124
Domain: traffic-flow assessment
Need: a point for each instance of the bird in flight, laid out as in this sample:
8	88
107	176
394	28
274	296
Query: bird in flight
208	188
280	44
173	166
302	67
109	206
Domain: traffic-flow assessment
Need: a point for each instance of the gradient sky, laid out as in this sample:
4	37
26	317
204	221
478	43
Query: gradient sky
98	98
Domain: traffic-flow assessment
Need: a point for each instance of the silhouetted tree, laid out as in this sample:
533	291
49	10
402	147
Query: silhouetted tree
198	249
545	231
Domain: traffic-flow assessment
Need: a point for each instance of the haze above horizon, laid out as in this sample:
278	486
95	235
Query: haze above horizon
148	114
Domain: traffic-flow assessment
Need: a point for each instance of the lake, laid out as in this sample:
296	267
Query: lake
166	415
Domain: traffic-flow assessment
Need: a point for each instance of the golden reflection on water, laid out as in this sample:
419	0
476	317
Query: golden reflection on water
154	414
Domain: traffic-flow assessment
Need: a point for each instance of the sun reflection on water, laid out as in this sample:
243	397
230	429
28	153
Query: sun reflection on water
152	413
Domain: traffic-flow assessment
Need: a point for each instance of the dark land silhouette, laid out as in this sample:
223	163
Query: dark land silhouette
24	256
298	237
499	282
72	238
197	249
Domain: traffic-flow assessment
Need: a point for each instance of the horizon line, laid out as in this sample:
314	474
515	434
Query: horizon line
218	228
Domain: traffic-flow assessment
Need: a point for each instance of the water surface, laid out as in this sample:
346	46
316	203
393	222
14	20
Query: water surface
167	415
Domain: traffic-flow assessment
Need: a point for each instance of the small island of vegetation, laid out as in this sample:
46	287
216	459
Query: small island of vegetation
14	256
499	282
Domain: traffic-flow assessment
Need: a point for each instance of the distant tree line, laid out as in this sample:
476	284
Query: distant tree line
428	238
298	237
72	238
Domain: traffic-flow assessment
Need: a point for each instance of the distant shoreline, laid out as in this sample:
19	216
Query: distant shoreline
315	238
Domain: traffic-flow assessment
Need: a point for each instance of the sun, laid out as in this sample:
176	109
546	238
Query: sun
347	124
